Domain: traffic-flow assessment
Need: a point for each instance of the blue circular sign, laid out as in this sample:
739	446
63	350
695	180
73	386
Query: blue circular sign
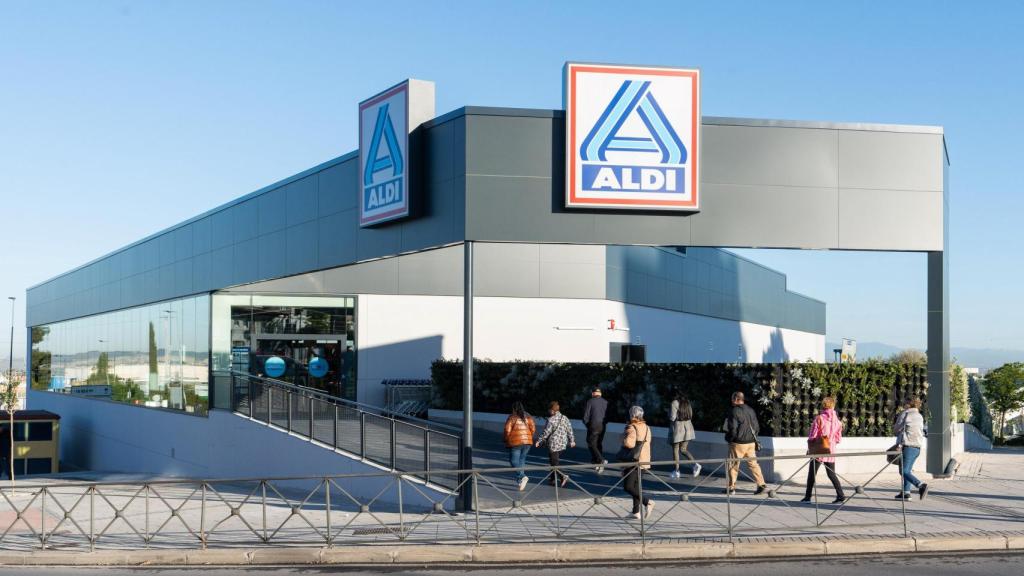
274	366
317	367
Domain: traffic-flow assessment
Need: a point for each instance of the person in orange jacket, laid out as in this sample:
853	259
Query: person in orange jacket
519	431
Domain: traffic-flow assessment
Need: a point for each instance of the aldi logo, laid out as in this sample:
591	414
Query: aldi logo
385	122
631	137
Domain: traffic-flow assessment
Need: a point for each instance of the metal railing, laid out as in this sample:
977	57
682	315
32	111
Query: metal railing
400	443
395	507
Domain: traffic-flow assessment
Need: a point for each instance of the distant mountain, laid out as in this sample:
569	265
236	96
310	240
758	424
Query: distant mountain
984	358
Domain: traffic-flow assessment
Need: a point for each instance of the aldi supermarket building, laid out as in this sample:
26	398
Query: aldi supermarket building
352	272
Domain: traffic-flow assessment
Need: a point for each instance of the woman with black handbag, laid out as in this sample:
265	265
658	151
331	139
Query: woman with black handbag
826	434
636	449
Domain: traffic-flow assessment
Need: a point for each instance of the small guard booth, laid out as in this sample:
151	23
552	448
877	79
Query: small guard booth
36	442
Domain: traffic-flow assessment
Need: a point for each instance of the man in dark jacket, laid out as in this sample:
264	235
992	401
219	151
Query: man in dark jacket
741	429
594	420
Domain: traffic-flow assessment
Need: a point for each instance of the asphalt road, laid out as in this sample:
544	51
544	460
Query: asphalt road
1000	564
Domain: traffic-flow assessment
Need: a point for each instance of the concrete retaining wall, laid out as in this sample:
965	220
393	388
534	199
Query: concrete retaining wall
108	436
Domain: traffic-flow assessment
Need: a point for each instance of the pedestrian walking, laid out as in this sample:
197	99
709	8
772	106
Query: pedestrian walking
558	436
680	416
519	431
741	429
594	414
636	450
909	437
826	434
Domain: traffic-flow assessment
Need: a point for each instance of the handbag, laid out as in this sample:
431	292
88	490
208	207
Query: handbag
893	458
819	445
633	454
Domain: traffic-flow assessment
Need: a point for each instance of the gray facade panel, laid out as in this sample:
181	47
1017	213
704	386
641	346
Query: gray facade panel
571	280
272	208
202	274
505	209
221	271
336	242
202	235
377	277
245	220
165	245
336	188
753	156
508	146
378	242
222	232
301	200
272	255
769	210
433	272
183	244
511	270
245	262
877	219
439	158
890	160
301	248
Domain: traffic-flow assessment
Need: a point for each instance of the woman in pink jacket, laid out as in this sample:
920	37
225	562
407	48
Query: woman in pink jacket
826	425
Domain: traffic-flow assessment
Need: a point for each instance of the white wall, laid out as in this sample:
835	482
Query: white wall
399	336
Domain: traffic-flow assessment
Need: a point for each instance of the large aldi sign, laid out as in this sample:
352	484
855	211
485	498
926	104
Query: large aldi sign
385	122
632	137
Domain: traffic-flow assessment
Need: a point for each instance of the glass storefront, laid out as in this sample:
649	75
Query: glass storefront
307	341
156	355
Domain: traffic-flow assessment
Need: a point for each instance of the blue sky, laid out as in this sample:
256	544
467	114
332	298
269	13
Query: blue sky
118	119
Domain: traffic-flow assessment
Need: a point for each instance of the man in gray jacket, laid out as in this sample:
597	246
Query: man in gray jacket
594	419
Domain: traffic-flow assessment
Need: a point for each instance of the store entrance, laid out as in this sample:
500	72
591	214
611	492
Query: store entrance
298	359
303	341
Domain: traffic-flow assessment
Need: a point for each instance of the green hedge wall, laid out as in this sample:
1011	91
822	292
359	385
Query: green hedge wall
785	396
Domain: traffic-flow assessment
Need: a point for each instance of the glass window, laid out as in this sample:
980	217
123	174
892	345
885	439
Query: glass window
307	341
40	431
155	355
39	466
19	431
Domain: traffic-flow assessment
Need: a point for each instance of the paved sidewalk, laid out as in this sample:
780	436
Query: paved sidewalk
983	500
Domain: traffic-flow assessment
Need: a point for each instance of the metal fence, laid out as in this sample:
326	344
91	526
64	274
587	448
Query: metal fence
420	448
392	507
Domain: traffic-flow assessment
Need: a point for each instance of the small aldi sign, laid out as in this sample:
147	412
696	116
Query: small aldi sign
385	122
632	137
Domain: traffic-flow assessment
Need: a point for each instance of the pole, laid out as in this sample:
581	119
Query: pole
467	371
10	360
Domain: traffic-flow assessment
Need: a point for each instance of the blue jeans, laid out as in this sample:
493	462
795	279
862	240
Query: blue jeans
910	454
517	459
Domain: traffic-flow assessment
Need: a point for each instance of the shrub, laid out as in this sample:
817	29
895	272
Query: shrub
786	396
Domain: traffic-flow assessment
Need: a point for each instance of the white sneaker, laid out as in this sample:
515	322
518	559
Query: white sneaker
674	475
635	515
696	469
649	508
522	483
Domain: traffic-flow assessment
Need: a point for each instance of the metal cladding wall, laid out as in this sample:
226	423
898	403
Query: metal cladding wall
765	184
495	174
303	223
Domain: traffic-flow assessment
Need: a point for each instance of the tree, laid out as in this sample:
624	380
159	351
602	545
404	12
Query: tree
9	402
1004	389
909	356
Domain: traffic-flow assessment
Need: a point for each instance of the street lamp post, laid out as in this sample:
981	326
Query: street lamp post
10	359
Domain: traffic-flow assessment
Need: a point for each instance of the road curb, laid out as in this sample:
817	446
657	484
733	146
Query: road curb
567	553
